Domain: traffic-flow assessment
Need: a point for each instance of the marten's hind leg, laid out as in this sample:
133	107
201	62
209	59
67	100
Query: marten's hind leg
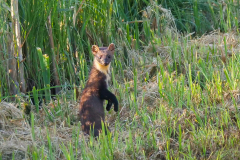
98	131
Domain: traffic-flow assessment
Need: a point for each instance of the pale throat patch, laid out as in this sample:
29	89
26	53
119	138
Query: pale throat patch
103	69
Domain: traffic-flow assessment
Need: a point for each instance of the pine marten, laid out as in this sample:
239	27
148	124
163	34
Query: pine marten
95	92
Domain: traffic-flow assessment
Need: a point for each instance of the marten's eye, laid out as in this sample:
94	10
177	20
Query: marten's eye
109	56
100	57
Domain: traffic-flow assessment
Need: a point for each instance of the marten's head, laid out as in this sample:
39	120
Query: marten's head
103	56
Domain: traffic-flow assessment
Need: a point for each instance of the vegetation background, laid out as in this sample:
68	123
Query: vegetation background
175	74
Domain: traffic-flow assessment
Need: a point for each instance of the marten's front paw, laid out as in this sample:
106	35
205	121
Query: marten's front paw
116	107
109	105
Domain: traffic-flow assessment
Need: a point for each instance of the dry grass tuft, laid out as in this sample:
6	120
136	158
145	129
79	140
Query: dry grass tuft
16	134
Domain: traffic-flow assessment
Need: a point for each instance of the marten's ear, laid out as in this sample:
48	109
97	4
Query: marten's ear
95	49
111	47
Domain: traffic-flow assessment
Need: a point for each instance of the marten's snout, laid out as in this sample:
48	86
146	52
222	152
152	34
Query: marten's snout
105	63
105	59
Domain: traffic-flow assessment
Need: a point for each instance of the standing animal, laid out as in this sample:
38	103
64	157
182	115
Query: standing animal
91	111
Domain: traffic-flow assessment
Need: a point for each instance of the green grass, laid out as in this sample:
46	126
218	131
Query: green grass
178	91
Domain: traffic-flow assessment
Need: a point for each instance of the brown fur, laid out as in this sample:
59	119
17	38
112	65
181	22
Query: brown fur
91	102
